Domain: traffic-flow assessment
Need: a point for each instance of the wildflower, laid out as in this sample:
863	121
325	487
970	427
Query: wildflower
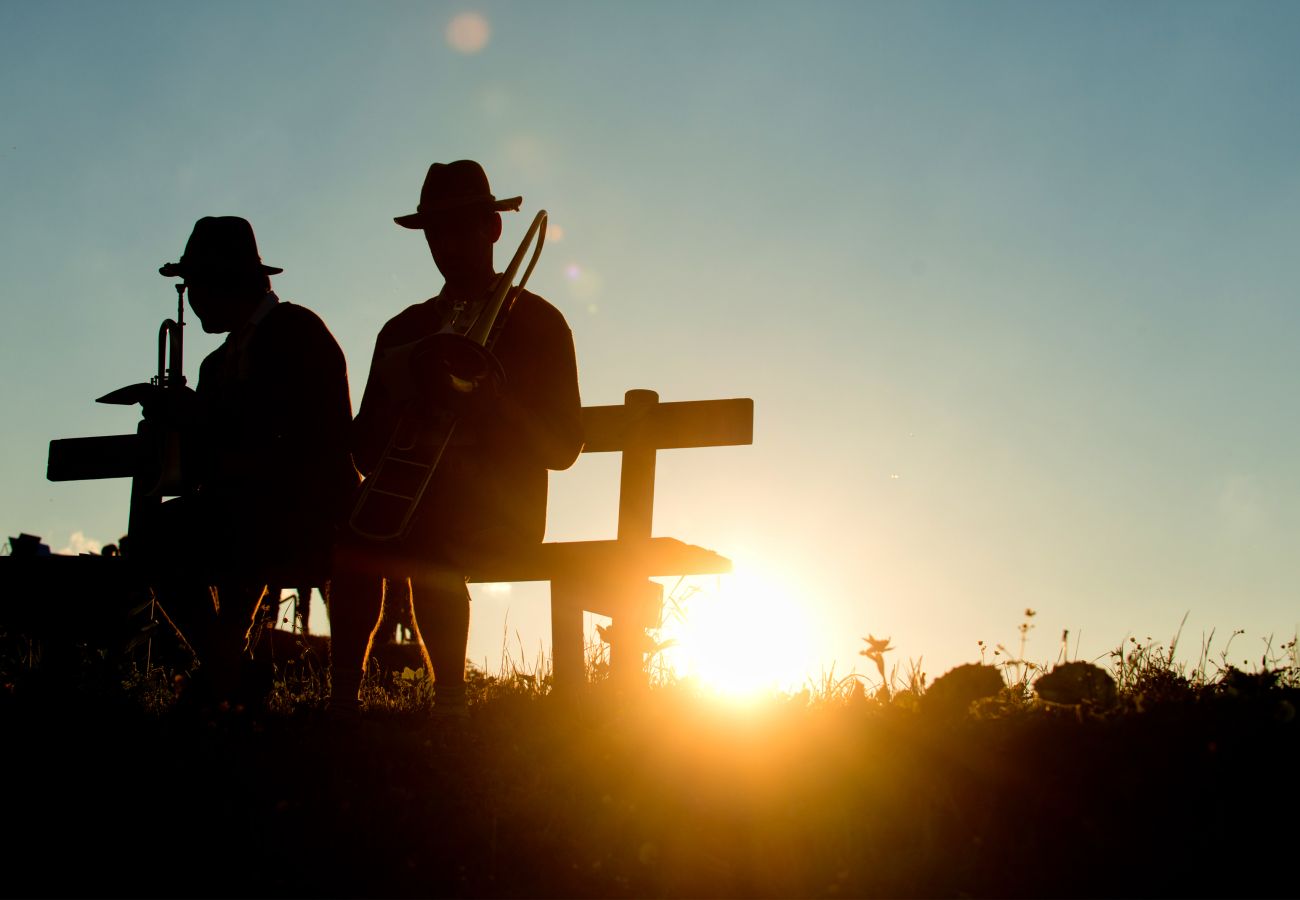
876	646
876	650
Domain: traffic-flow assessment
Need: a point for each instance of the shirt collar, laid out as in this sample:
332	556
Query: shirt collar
267	304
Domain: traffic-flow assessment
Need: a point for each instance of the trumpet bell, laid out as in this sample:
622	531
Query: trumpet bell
132	393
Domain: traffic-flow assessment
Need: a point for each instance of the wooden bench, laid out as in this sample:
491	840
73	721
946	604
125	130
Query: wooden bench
609	578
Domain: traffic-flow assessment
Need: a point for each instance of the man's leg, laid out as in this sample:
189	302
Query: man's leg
191	610
354	601
234	677
441	607
302	607
177	549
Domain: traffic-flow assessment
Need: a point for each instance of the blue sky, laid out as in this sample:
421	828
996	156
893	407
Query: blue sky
1009	283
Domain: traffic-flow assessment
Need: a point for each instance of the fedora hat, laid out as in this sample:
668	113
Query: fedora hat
453	186
219	245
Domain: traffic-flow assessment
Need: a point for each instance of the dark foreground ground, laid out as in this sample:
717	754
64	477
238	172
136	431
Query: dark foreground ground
659	794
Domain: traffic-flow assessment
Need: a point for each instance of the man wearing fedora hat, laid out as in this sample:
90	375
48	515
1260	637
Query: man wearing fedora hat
266	446
488	492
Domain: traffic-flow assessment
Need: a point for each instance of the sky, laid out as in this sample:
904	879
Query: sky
1010	284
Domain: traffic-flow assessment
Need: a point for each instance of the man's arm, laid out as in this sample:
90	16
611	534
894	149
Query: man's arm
388	384
368	435
540	411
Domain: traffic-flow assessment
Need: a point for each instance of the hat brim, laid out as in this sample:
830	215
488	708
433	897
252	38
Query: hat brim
180	270
425	218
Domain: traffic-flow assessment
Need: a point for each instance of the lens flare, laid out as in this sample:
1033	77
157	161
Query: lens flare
530	155
584	282
468	33
494	101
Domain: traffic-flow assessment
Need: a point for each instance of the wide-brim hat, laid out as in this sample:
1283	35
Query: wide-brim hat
454	187
219	245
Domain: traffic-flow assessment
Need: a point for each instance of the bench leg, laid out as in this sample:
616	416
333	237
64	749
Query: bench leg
641	603
567	663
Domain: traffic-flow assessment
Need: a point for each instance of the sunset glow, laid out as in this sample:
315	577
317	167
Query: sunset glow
1010	291
742	636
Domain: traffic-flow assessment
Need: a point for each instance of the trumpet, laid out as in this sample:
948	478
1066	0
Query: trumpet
162	440
171	346
391	495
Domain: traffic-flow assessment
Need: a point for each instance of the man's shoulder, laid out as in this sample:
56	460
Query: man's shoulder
293	315
536	309
296	325
413	322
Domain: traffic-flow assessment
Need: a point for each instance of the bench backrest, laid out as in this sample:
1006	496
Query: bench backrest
638	428
641	426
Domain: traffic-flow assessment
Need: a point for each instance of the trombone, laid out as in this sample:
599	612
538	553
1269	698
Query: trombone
391	495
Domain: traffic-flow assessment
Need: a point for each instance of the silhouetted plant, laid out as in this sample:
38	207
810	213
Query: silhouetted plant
958	688
1075	683
1148	673
1018	670
876	650
154	690
1236	683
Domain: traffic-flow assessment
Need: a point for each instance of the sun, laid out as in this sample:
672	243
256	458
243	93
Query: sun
744	638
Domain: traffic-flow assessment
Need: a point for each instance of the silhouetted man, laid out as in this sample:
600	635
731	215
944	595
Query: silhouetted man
488	493
265	440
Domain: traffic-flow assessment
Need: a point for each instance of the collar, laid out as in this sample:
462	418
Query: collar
449	311
240	334
238	341
268	303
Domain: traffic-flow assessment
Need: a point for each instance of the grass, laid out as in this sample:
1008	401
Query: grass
1178	781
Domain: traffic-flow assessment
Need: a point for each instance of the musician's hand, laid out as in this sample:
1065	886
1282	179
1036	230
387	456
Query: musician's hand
429	375
470	399
454	376
176	407
459	400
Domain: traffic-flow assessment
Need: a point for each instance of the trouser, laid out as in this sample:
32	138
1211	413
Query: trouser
439	604
209	572
215	623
